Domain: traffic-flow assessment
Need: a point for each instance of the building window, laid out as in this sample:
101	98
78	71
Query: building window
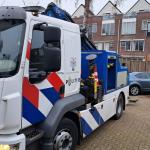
145	24
126	45
139	45
91	28
94	27
136	45
106	46
108	27
99	46
129	26
111	45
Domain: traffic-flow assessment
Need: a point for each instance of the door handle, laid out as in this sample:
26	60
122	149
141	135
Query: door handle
62	90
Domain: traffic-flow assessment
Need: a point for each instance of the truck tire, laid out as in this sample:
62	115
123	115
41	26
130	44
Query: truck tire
119	108
66	135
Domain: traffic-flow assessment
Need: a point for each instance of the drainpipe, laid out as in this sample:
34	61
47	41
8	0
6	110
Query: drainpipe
118	37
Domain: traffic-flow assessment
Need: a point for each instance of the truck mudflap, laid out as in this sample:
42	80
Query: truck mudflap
13	140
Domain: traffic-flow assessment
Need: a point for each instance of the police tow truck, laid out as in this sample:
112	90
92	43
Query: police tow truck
56	88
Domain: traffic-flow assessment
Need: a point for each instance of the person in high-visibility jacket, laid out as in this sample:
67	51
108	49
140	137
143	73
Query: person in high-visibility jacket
93	73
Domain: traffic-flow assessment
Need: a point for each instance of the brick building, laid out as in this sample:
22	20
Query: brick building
126	33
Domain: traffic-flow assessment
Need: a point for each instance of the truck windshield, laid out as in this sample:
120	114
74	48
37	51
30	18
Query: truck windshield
11	44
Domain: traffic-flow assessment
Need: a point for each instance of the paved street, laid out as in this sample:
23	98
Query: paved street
131	132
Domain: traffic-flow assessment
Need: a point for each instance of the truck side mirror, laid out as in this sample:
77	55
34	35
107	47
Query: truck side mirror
52	59
52	36
43	62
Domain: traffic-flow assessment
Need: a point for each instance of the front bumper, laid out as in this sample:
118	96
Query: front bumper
13	140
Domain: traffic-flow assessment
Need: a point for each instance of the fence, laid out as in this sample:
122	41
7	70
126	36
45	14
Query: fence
137	65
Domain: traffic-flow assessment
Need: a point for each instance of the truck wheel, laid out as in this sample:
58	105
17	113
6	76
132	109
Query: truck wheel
119	109
66	135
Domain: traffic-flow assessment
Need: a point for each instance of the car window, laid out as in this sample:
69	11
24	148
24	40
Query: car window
148	75
142	76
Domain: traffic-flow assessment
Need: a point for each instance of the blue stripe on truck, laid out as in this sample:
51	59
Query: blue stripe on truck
95	114
31	113
85	127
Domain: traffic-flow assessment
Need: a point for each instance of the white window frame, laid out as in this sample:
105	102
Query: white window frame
108	22
125	45
126	31
138	45
142	26
97	44
94	27
133	45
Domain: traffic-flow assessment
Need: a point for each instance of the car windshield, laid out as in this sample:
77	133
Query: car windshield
11	44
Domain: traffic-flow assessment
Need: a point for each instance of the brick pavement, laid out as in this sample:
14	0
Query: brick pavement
131	132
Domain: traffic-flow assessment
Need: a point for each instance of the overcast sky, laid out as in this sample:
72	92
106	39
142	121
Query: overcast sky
68	5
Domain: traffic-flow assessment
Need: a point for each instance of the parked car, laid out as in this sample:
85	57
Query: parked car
139	82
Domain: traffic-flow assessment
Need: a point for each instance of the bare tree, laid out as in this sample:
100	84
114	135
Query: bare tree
87	11
88	5
30	2
2	3
118	2
58	2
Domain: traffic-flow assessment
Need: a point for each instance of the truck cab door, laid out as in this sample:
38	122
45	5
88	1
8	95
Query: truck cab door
41	88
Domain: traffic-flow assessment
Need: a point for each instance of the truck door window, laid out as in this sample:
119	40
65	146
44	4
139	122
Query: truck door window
37	39
36	49
45	53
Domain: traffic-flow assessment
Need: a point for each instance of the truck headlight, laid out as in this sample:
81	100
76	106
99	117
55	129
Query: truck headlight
9	147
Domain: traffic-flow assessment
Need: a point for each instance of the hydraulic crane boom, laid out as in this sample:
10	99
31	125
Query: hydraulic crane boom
56	12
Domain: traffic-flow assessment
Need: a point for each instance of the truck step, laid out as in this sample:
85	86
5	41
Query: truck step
33	135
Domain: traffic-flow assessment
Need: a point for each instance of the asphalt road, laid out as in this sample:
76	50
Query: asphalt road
131	132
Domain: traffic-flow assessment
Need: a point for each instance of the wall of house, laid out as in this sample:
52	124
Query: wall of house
108	8
79	12
115	40
140	5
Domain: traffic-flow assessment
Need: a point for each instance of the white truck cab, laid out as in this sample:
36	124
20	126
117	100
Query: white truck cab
40	81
